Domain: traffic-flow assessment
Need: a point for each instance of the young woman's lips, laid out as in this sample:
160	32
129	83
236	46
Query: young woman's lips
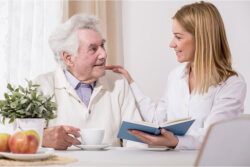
178	53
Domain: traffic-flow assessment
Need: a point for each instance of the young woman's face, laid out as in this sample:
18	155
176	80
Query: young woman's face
183	43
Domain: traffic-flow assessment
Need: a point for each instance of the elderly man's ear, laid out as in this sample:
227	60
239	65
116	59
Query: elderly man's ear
68	59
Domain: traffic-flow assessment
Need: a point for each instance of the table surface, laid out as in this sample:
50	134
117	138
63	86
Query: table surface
118	156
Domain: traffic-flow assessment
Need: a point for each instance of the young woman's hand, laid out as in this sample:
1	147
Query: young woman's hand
166	138
121	70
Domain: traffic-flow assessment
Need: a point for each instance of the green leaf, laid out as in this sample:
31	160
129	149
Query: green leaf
16	90
1	104
52	117
17	94
6	108
36	86
28	114
49	98
37	103
30	84
6	96
41	98
21	89
20	111
12	115
11	120
27	109
33	94
10	87
13	105
23	101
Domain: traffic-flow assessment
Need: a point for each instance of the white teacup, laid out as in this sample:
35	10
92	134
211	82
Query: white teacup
92	136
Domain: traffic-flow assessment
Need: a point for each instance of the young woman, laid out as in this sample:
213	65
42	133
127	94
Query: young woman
205	87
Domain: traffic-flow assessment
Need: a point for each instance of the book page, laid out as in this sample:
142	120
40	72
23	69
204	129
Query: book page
144	123
175	121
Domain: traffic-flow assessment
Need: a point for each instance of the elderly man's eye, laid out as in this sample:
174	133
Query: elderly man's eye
93	49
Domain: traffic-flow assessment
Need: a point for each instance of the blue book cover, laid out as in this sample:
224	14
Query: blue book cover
179	127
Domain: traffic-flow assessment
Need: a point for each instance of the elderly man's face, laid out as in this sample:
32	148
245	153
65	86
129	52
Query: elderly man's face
89	65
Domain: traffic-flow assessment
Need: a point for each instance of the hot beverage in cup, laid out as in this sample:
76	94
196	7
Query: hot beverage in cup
92	136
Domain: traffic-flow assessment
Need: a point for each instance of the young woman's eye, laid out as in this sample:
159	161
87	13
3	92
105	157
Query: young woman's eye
177	37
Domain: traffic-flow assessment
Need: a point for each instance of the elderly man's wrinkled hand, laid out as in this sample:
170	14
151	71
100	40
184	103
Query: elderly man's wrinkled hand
58	137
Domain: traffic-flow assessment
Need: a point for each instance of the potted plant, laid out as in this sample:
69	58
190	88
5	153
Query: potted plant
27	109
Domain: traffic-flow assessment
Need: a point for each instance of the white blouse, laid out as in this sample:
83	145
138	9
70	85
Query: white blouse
223	102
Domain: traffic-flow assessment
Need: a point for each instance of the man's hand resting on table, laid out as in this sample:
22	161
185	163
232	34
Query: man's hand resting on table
58	137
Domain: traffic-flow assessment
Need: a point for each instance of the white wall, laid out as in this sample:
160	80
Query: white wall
147	34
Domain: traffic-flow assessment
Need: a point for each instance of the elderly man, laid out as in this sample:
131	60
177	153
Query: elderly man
86	94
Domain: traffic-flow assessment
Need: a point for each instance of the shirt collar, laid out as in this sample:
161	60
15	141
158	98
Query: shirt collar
74	82
186	71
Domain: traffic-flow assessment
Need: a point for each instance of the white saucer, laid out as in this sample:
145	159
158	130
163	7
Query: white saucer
41	153
93	147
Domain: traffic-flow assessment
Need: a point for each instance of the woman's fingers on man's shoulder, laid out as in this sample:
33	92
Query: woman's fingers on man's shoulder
112	67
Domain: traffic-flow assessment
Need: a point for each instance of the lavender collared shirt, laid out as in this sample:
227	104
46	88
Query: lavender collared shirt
84	91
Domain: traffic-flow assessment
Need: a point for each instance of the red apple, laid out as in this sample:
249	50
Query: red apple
4	139
32	132
22	143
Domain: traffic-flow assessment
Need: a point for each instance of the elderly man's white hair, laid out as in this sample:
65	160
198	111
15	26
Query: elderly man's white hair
65	39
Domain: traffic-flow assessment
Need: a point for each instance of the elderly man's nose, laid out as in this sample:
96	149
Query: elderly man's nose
103	53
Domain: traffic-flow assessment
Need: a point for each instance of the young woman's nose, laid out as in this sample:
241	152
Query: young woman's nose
172	44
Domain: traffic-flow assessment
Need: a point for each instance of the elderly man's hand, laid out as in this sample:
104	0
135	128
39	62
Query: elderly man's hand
58	137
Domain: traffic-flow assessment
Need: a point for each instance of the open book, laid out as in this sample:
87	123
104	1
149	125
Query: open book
178	126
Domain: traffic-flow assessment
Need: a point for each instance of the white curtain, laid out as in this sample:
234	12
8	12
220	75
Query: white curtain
25	26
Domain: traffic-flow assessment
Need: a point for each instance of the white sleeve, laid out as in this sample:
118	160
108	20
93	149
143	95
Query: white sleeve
228	104
149	110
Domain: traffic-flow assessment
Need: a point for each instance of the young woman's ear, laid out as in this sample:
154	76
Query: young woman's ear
68	59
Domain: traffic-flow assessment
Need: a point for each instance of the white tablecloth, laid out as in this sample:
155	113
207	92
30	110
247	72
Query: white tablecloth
117	156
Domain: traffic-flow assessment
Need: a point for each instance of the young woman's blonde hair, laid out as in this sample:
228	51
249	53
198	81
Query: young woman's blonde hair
212	62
